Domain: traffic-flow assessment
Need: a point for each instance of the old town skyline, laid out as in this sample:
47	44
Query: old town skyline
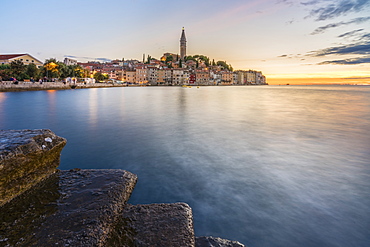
284	39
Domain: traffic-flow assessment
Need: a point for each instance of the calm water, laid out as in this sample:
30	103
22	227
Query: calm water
267	166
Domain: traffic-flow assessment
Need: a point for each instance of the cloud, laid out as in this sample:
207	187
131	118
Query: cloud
334	8
90	58
351	61
350	34
357	48
342	23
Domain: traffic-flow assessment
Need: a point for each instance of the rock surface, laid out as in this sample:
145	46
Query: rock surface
70	208
216	242
169	225
26	158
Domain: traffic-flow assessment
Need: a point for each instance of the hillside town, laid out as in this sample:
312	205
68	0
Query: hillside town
171	69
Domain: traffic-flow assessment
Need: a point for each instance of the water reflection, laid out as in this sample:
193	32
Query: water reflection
93	107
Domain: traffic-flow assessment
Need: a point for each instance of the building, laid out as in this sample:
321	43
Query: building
69	61
164	76
182	45
130	77
25	58
152	72
141	75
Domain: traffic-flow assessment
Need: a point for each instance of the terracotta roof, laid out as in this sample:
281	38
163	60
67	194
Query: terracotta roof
10	56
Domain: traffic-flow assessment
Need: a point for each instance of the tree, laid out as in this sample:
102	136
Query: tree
5	72
100	77
51	68
169	58
32	71
18	69
180	63
224	65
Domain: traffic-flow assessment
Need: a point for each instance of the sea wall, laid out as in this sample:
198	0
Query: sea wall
43	206
9	86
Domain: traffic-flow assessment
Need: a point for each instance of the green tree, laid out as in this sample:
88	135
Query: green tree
32	71
18	69
98	76
180	63
169	58
224	65
5	72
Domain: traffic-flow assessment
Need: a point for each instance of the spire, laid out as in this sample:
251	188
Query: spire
183	38
182	44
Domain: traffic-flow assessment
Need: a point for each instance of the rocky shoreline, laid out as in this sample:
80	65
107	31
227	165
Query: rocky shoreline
43	206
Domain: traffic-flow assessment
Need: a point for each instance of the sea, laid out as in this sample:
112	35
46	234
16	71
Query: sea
263	165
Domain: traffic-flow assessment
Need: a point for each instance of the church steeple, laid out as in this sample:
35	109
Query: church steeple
182	44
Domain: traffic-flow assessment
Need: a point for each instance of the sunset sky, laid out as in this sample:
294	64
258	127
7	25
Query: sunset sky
285	39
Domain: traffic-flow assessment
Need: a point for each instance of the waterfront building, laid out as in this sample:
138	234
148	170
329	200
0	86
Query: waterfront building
214	77
25	58
152	75
68	61
141	75
227	77
202	77
180	76
164	76
182	45
130	77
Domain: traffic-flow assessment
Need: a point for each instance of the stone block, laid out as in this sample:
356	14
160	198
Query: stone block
26	158
169	225
69	208
216	242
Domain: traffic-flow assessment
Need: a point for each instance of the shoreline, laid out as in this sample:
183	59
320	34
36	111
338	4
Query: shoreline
9	86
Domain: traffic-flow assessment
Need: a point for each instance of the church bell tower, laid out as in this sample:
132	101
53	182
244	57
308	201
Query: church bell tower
182	45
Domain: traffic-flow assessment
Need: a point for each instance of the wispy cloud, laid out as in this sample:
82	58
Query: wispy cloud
351	61
338	24
102	59
325	10
357	48
351	33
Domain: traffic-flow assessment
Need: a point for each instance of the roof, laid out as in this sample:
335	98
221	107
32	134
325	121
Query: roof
10	56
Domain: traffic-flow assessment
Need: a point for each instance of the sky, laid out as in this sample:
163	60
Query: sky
290	41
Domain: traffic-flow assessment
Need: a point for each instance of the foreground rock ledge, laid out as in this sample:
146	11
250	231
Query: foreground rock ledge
26	158
42	206
70	208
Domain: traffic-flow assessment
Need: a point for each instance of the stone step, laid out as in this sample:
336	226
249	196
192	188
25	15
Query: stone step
169	225
70	208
